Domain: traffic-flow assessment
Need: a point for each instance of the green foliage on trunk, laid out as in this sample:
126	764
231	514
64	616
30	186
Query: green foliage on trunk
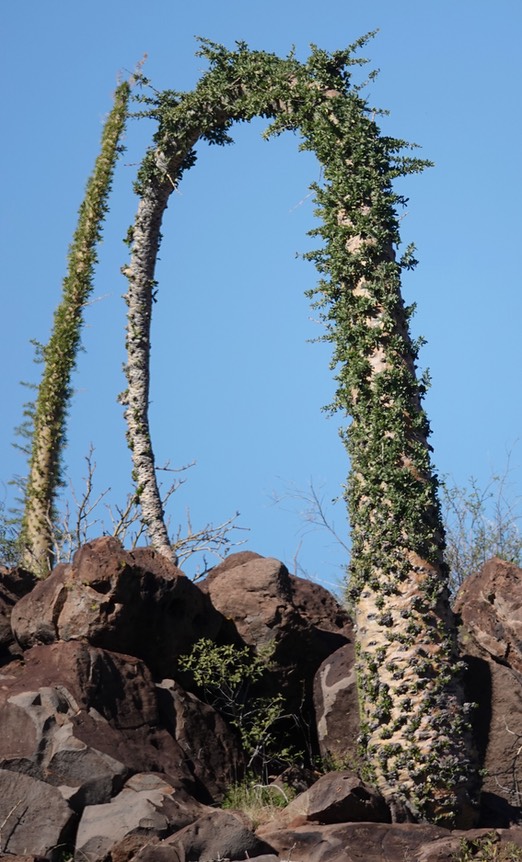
415	730
59	355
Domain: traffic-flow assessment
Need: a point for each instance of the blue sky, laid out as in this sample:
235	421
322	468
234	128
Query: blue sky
237	386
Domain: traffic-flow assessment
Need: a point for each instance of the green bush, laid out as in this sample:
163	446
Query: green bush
224	676
487	848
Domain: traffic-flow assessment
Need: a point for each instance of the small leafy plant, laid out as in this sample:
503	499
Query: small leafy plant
487	848
224	676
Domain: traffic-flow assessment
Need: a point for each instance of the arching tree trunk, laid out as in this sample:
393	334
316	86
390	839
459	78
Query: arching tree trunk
54	391
414	725
415	731
139	298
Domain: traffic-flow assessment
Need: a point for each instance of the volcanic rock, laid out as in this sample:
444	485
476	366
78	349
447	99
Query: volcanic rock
490	606
35	818
14	583
136	603
339	797
148	805
337	707
84	719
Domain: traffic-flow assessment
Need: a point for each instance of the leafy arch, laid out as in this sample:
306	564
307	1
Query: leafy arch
315	99
413	724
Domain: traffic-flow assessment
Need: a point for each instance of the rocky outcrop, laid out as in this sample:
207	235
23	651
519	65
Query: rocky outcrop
84	719
381	842
136	603
14	584
106	754
490	607
35	818
300	620
337	709
216	766
339	797
147	805
218	835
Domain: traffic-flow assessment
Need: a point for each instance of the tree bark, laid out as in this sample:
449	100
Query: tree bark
414	725
139	298
54	391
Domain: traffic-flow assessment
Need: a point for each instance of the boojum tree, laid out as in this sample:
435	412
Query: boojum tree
59	354
413	716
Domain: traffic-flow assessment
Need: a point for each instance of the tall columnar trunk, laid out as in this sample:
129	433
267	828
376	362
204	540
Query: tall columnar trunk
139	298
205	113
54	391
414	724
415	731
413	720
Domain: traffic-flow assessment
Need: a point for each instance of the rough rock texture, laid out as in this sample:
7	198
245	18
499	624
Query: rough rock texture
351	842
257	596
379	842
156	853
218	835
339	797
490	605
319	607
336	707
14	583
107	740
192	723
148	805
300	619
135	603
34	817
84	718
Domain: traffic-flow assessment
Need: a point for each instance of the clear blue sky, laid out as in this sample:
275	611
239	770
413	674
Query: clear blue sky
236	384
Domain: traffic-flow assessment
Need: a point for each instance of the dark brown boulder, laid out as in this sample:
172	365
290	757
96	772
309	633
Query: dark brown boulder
217	835
230	562
339	797
300	620
158	853
84	719
35	818
490	607
337	708
136	603
14	584
382	842
317	605
210	747
257	597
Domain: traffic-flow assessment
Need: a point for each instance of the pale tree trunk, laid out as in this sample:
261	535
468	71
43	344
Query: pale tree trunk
414	726
139	298
54	391
412	707
159	177
415	735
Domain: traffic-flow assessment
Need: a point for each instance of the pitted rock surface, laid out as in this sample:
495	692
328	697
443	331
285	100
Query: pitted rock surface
336	707
136	603
148	805
85	719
